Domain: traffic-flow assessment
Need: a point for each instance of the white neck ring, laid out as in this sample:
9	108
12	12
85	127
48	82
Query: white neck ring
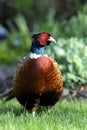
35	56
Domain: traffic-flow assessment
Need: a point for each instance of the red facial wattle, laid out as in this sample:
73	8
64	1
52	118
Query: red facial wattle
42	38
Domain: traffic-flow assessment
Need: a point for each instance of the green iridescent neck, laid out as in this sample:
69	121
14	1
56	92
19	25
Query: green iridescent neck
38	50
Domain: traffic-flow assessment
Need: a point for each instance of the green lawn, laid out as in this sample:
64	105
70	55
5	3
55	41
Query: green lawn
64	116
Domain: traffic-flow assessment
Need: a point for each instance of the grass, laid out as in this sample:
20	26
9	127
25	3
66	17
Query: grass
64	116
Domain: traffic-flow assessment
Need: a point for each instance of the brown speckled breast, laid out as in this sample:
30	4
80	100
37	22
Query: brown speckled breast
35	78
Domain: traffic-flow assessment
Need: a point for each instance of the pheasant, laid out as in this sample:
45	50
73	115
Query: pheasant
37	78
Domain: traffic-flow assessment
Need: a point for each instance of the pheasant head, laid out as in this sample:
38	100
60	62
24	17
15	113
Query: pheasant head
40	41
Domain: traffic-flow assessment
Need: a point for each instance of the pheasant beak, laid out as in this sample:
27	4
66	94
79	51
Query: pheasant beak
51	39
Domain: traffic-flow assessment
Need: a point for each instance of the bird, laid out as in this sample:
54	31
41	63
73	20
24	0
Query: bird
37	79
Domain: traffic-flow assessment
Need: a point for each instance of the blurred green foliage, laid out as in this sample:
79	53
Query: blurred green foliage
35	11
71	55
17	43
75	27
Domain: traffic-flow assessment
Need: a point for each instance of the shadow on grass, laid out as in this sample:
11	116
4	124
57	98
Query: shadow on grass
16	111
13	107
10	107
61	108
